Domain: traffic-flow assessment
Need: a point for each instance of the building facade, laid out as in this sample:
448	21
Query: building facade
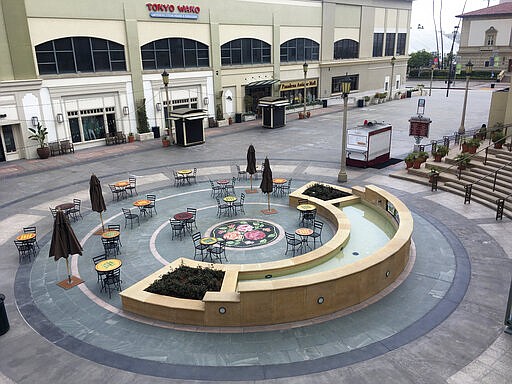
84	69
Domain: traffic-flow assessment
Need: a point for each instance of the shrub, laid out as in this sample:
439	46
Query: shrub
441	150
324	192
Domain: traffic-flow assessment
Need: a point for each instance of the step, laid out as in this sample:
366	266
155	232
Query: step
483	193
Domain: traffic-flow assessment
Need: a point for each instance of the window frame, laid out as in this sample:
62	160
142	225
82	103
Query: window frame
246	49
378	45
346	49
310	50
174	52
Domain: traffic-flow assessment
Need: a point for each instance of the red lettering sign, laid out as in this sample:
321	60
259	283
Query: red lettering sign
160	7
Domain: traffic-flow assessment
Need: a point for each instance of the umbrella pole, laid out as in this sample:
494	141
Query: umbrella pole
67	268
102	226
251	181
268	198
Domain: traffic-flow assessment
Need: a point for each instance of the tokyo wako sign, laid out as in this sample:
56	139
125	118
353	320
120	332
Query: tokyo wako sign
171	11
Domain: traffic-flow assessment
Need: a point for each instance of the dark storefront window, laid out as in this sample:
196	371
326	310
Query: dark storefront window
400	43
174	53
245	51
299	50
378	44
336	83
390	44
75	130
92	124
346	49
79	54
10	145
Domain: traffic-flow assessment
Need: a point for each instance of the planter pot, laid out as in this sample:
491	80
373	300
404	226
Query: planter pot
438	158
144	136
43	153
417	164
408	164
301	115
465	147
166	143
498	145
230	121
472	149
131	139
308	114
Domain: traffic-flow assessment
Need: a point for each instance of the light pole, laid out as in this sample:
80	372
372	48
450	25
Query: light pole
432	67
305	68
345	88
392	61
469	68
165	79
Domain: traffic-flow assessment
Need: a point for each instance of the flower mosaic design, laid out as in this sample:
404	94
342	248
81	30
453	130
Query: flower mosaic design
246	233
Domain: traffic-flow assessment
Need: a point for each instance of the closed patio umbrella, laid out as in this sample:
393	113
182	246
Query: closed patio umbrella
96	196
64	243
267	185
251	165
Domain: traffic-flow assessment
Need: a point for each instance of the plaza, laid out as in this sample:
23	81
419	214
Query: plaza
442	323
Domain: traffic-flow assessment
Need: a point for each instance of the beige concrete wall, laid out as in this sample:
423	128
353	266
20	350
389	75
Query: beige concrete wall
498	108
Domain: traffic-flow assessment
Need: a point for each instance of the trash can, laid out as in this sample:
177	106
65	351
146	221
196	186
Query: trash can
409	93
238	117
156	132
360	103
4	322
324	103
492	85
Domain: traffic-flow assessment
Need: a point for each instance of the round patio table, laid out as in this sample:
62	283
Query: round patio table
208	240
182	216
122	184
26	236
142	203
65	206
110	234
108	265
184	171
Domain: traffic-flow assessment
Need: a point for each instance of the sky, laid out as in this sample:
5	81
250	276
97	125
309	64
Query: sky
422	15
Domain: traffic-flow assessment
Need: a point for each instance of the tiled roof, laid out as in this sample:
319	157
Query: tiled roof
496	10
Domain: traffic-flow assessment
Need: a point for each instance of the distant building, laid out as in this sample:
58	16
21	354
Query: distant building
83	69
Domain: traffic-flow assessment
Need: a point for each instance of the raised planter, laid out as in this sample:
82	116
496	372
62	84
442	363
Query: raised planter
248	117
222	123
144	136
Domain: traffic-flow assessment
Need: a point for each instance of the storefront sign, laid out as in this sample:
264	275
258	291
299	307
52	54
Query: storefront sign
171	11
289	85
419	126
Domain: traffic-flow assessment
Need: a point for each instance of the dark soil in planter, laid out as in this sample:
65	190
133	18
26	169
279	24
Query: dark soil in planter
187	282
325	192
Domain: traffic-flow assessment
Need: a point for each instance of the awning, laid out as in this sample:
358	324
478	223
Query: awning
261	83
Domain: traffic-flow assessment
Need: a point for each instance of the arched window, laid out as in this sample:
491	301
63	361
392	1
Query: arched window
490	36
245	51
174	53
346	49
79	54
298	50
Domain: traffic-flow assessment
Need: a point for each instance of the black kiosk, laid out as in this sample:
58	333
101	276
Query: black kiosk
189	126
273	111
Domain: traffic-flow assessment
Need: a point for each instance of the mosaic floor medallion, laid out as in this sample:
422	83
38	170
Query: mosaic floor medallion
246	233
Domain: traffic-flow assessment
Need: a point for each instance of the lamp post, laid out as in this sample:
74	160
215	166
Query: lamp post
165	80
305	68
432	67
345	89
469	68
392	61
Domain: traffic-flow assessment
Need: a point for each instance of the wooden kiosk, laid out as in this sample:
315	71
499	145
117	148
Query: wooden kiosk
189	126
273	111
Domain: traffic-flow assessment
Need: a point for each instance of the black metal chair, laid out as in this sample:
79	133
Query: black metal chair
117	193
217	190
128	215
317	232
112	280
192	176
239	204
241	173
217	251
291	243
178	179
32	230
308	218
222	207
286	188
110	246
75	211
177	228
191	222
198	247
25	249
229	189
132	186
96	260
53	211
151	207
116	227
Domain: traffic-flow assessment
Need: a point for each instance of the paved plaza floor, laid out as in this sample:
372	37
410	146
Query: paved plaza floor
442	323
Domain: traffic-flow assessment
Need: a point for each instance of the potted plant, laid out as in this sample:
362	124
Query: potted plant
301	115
366	100
432	172
418	159
131	137
463	159
409	160
498	138
440	152
143	132
166	141
423	156
308	114
39	134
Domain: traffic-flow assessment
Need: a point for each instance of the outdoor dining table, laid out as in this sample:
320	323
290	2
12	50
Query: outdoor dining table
108	265
209	241
230	199
65	206
278	183
185	173
110	234
26	237
304	209
304	234
122	184
184	216
142	204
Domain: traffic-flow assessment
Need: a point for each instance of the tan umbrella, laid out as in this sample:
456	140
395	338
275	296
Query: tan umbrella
96	196
267	185
64	243
251	165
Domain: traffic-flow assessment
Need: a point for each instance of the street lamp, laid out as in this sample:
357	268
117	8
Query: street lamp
165	80
469	69
393	59
345	89
305	68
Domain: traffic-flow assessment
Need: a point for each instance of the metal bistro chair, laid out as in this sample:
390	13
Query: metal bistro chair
178	179
152	206
25	249
132	186
308	218
191	222
128	215
218	251
192	176
286	188
117	193
241	173
177	228
67	146
75	211
116	227
198	247
239	204
222	207
96	260
230	188
216	189
317	232
111	281
292	243
110	246
53	211
32	230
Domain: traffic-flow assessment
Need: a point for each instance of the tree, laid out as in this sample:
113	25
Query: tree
420	59
142	118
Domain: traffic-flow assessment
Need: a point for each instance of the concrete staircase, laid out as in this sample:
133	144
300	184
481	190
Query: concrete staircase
478	174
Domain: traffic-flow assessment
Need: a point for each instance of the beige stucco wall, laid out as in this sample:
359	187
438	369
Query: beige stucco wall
477	28
288	33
